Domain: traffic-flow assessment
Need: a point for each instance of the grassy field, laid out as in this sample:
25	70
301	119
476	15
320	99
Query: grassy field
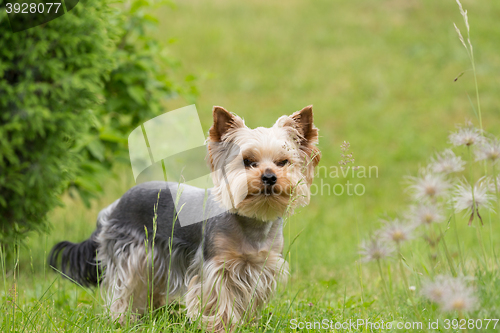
380	75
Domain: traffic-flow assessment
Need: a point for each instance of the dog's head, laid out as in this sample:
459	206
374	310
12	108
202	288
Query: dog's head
263	172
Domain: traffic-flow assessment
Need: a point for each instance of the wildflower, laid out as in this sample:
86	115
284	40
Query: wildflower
466	136
375	249
462	300
465	199
489	150
412	288
494	185
447	162
452	294
428	185
435	290
396	231
346	156
425	214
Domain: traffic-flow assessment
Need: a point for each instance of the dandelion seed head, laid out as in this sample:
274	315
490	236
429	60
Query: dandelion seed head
467	135
396	231
375	249
463	199
435	293
447	162
494	187
488	150
425	214
428	185
458	296
434	290
451	293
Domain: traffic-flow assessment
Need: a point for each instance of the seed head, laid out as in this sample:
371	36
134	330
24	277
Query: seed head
463	200
488	150
494	187
428	185
466	136
435	290
396	231
375	249
346	156
447	162
452	294
425	214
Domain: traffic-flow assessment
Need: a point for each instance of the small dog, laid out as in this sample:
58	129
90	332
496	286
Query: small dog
226	267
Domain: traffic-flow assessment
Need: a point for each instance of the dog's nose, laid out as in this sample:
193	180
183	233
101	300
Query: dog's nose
269	178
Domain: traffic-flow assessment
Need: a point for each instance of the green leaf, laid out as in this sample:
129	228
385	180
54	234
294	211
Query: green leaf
137	93
96	148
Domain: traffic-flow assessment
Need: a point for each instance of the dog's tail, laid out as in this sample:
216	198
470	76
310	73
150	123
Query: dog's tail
79	260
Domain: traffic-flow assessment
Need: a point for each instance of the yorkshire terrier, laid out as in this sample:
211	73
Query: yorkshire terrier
226	267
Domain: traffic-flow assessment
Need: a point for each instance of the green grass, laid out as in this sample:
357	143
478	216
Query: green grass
380	75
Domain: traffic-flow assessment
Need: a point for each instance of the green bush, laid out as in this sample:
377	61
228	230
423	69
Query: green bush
70	92
51	77
134	92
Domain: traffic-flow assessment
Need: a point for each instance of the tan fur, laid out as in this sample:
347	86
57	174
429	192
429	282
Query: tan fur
292	137
302	123
236	283
130	283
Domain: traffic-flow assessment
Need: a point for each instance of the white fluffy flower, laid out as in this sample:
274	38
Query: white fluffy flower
375	249
428	185
494	186
447	162
463	199
435	290
396	231
426	213
451	293
466	136
488	150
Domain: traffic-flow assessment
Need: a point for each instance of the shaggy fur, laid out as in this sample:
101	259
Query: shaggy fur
226	267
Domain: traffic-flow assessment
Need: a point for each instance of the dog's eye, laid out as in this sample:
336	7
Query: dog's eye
249	163
282	163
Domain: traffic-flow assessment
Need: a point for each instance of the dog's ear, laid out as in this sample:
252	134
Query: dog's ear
303	130
303	121
308	138
223	122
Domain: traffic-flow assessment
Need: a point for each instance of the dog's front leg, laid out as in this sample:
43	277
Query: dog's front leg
216	299
230	292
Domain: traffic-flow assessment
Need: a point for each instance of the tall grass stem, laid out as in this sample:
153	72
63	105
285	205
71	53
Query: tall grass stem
386	290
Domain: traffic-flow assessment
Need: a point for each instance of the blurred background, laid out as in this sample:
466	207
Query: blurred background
380	75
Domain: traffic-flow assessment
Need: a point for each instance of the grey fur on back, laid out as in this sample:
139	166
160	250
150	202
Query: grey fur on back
135	211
